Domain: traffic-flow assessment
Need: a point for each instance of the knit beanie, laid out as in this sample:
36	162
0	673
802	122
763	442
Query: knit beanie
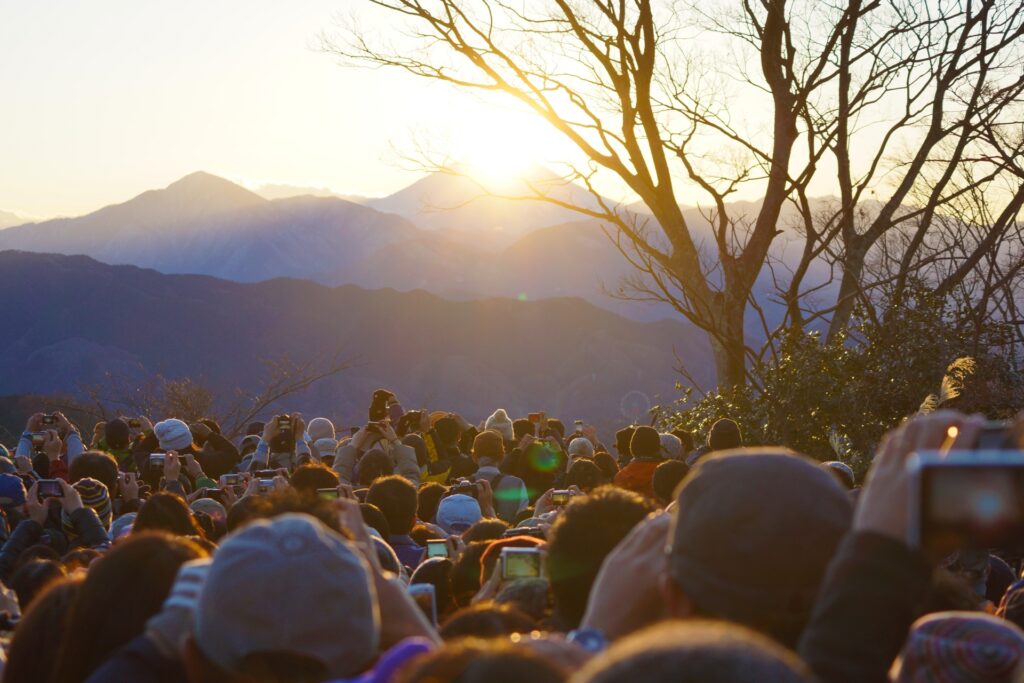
500	422
724	434
116	434
94	495
173	435
671	446
320	428
645	443
488	445
962	647
12	491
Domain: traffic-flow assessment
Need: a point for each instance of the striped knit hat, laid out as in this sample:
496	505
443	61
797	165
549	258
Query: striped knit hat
94	495
962	647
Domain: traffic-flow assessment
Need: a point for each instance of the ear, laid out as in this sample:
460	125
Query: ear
677	603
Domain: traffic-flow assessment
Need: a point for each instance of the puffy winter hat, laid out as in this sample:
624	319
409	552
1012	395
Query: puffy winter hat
457	513
116	433
645	443
173	435
488	444
580	447
320	428
500	422
772	510
12	491
671	446
291	585
724	434
962	647
94	495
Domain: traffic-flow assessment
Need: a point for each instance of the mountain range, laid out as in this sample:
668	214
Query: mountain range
71	319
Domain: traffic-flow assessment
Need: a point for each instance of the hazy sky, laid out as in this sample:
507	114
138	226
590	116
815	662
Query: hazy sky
107	98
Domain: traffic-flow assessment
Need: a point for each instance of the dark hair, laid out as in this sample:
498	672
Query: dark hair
666	479
375	519
521	428
609	468
685	437
29	581
396	498
695	652
584	474
430	494
466	572
312	476
487	620
485	530
120	593
97	465
480	661
623	437
437	571
36	552
166	512
532	596
211	423
374	465
42	625
79	558
282	502
421	534
586	531
724	434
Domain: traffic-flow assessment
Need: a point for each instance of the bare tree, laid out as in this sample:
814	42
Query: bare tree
824	91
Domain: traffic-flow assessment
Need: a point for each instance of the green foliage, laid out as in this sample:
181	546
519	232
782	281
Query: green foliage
835	401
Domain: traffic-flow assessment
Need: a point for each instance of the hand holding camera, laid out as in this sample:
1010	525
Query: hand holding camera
71	501
53	446
37	505
172	466
128	483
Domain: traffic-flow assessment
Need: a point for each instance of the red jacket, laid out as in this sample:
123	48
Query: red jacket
637	476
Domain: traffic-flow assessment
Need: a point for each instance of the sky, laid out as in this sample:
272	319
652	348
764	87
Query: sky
105	99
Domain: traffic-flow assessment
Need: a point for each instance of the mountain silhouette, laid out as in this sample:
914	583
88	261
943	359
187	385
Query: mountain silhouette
71	319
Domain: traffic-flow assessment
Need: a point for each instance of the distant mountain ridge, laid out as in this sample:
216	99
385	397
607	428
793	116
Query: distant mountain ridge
70	319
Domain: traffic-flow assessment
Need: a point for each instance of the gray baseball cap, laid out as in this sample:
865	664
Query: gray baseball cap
291	585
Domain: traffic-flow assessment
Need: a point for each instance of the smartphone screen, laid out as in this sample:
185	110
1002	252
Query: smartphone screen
327	494
520	563
437	547
978	504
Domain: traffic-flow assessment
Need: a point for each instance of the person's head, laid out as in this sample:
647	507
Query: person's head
120	593
645	444
609	468
487	620
447	430
671	446
95	465
306	479
522	427
457	513
30	655
685	439
623	439
580	447
168	513
532	596
584	474
80	558
695	652
666	479
265	610
396	498
583	535
724	434
466	572
374	465
375	519
320	428
488	448
437	571
173	435
33	577
430	494
485	530
772	510
500	422
95	495
480	661
556	428
965	647
116	434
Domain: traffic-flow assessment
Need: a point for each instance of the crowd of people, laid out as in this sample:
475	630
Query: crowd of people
422	548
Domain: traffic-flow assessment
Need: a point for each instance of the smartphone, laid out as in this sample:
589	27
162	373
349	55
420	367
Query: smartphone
284	442
217	495
231	480
49	488
579	426
535	417
560	497
157	459
437	547
328	494
520	563
265	474
49	419
38	439
266	485
425	597
966	498
134	424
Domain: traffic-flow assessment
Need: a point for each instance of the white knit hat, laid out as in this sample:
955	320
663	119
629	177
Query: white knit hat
671	446
580	447
173	435
320	428
500	422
